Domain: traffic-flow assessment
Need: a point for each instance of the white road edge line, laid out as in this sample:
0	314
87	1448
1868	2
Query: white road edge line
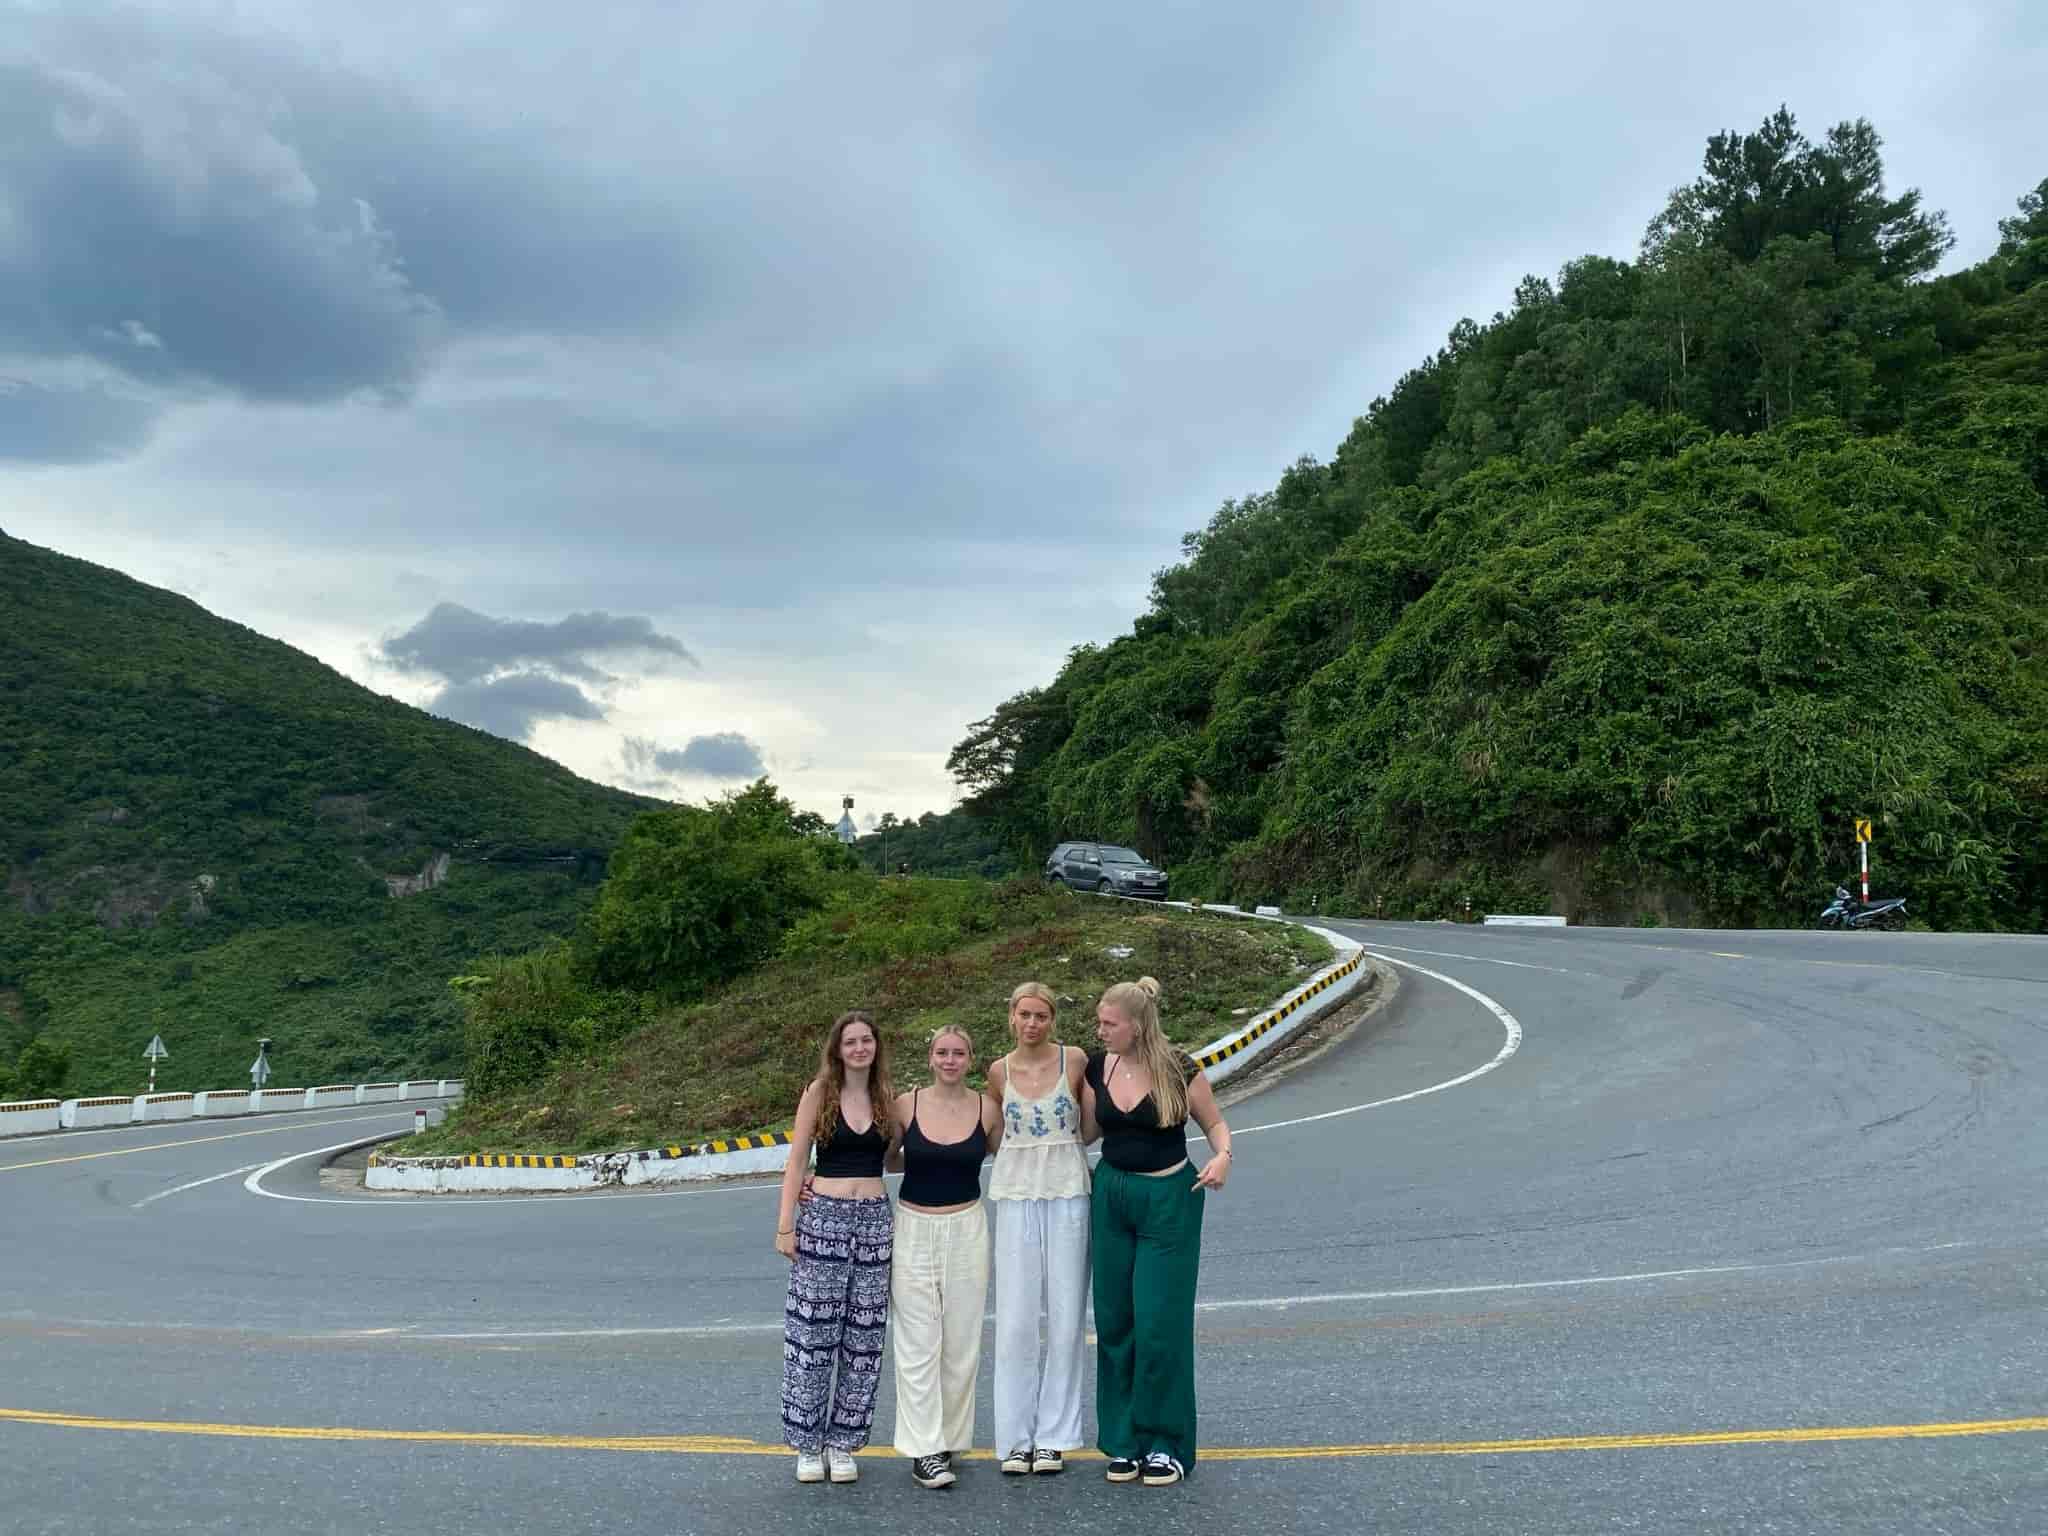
1513	1043
212	1178
1451	954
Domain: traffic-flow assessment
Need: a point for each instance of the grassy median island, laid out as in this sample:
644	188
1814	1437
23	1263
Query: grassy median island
636	1072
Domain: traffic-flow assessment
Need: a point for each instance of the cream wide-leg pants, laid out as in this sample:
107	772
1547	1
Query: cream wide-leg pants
1041	1261
938	1287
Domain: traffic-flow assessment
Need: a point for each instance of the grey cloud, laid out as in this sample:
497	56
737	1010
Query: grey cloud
166	227
462	645
69	426
511	706
723	755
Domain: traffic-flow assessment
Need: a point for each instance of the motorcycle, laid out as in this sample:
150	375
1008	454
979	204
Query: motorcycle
1887	914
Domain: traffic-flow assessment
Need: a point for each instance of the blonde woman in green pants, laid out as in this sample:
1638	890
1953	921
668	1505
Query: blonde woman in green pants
1140	1092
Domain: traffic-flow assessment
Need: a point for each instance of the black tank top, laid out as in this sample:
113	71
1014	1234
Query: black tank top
942	1172
1133	1139
851	1154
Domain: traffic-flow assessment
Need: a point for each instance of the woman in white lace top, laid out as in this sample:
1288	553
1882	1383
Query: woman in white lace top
1039	1189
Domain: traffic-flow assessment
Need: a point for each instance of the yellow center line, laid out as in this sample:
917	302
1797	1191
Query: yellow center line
728	1445
190	1141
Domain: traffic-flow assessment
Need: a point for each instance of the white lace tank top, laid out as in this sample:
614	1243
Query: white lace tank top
1041	1157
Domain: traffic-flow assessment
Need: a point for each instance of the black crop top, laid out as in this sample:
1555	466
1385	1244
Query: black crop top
1134	1140
937	1173
851	1154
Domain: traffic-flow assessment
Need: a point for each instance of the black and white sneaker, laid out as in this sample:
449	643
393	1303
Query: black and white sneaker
933	1471
1122	1470
1017	1463
1048	1461
1161	1470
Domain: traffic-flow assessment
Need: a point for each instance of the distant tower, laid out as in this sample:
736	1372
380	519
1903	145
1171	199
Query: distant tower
845	831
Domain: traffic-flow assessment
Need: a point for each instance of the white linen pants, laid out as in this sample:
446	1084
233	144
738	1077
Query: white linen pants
1041	1261
938	1288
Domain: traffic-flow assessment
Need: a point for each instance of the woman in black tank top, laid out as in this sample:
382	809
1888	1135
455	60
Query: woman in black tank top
839	1242
939	1282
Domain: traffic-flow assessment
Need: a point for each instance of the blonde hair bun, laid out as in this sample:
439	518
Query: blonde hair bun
1151	985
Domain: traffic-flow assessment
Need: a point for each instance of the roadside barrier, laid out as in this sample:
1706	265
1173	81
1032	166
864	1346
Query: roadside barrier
766	1152
26	1117
30	1115
76	1114
163	1106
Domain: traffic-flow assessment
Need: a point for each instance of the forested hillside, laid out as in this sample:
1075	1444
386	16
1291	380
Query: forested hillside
953	844
1624	603
201	834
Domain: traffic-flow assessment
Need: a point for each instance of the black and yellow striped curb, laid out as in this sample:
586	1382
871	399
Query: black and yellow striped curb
784	1138
732	1144
1265	1025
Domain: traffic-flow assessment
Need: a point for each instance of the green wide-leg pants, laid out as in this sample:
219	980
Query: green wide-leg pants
1147	1235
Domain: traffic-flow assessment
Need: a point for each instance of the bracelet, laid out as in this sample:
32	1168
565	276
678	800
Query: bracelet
784	1231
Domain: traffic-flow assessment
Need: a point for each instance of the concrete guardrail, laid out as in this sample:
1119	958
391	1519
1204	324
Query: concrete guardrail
26	1116
76	1114
163	1106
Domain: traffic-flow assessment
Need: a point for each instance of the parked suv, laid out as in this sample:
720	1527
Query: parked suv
1105	867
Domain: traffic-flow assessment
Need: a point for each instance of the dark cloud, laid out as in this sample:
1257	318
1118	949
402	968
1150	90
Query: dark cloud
171	232
69	426
512	705
723	755
462	645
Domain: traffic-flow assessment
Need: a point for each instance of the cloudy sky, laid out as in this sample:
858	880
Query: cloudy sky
694	392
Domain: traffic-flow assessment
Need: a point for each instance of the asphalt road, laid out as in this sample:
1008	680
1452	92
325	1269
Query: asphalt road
1744	1234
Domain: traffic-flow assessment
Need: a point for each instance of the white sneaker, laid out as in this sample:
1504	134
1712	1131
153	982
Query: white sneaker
844	1468
810	1468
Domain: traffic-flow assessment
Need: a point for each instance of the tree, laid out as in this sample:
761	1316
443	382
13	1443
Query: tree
1756	188
41	1068
2030	223
696	896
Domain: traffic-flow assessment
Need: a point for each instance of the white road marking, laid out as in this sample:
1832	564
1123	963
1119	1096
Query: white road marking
1451	954
1508	1022
1262	1303
1640	1277
1513	1043
214	1178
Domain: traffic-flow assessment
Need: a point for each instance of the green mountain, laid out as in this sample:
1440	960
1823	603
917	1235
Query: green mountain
1627	603
208	835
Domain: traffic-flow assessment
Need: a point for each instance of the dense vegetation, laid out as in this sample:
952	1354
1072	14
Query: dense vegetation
566	1064
1625	603
954	844
196	829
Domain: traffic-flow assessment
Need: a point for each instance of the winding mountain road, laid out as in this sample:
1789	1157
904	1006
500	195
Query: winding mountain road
1741	1231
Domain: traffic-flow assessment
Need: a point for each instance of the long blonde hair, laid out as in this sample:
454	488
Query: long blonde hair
832	1078
1138	1001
